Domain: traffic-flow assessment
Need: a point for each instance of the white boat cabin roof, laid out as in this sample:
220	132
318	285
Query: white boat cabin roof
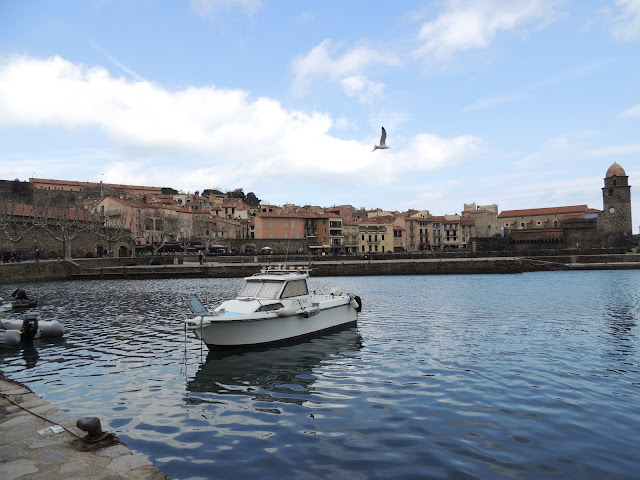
275	284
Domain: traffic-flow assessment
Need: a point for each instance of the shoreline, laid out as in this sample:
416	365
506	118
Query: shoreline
136	268
40	441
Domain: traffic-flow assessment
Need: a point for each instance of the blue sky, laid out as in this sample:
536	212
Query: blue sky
522	103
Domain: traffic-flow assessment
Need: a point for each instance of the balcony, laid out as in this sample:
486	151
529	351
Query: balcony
311	232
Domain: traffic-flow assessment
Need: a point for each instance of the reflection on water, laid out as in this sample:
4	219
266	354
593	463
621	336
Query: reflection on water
464	376
268	373
30	356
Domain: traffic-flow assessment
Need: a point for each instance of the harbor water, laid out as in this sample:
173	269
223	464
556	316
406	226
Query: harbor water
526	376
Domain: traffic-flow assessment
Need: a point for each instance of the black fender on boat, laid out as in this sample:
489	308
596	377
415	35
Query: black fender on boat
359	302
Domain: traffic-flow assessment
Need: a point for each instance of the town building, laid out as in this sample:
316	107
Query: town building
375	235
485	219
95	189
350	236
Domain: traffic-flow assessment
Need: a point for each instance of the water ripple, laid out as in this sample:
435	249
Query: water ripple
478	376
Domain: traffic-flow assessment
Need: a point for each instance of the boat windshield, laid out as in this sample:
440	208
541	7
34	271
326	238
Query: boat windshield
261	289
249	288
295	288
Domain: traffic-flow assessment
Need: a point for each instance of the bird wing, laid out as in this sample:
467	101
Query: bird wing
383	137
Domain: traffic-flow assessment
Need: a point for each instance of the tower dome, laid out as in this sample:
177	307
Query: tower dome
615	170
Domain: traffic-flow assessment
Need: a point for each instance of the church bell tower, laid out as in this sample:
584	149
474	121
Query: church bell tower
615	221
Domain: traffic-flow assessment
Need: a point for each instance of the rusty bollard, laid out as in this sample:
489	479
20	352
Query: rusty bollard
92	426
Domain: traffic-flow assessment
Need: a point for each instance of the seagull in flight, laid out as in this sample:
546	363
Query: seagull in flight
383	138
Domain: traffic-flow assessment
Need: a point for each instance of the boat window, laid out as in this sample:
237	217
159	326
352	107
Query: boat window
249	288
269	289
295	288
270	307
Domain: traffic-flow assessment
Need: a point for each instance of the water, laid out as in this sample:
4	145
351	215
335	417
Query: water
481	376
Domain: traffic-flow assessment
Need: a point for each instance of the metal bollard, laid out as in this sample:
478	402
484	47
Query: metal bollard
92	426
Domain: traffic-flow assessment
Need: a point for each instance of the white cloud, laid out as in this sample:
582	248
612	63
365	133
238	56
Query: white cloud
625	24
430	152
361	87
632	112
207	8
469	25
196	135
318	63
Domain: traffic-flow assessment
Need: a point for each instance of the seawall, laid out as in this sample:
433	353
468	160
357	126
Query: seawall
18	273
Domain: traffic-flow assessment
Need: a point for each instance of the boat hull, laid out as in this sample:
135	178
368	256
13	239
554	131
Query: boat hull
238	332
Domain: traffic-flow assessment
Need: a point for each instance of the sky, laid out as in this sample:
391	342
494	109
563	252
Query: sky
519	103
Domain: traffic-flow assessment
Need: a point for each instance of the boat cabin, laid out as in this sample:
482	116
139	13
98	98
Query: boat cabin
272	287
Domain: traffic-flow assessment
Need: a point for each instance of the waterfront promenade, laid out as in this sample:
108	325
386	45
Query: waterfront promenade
31	450
235	267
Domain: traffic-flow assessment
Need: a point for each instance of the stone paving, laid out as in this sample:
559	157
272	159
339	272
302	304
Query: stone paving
30	449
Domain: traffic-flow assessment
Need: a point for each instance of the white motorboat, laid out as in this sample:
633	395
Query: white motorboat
274	305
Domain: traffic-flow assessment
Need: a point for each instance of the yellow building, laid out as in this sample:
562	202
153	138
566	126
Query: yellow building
375	236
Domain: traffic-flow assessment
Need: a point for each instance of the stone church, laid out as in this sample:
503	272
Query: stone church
611	228
577	227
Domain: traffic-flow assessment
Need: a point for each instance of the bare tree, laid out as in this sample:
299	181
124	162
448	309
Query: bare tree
16	220
204	229
137	224
182	233
165	227
111	227
64	218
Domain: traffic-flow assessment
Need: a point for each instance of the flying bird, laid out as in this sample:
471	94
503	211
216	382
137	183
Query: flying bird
383	138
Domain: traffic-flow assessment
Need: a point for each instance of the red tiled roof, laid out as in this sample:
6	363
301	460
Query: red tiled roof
91	184
544	211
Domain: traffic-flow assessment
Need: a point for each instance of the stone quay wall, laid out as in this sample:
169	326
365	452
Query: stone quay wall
168	267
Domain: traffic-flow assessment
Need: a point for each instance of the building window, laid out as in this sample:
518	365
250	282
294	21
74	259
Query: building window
611	192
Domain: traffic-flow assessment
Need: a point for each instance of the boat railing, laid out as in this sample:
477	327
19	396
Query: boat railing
283	270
